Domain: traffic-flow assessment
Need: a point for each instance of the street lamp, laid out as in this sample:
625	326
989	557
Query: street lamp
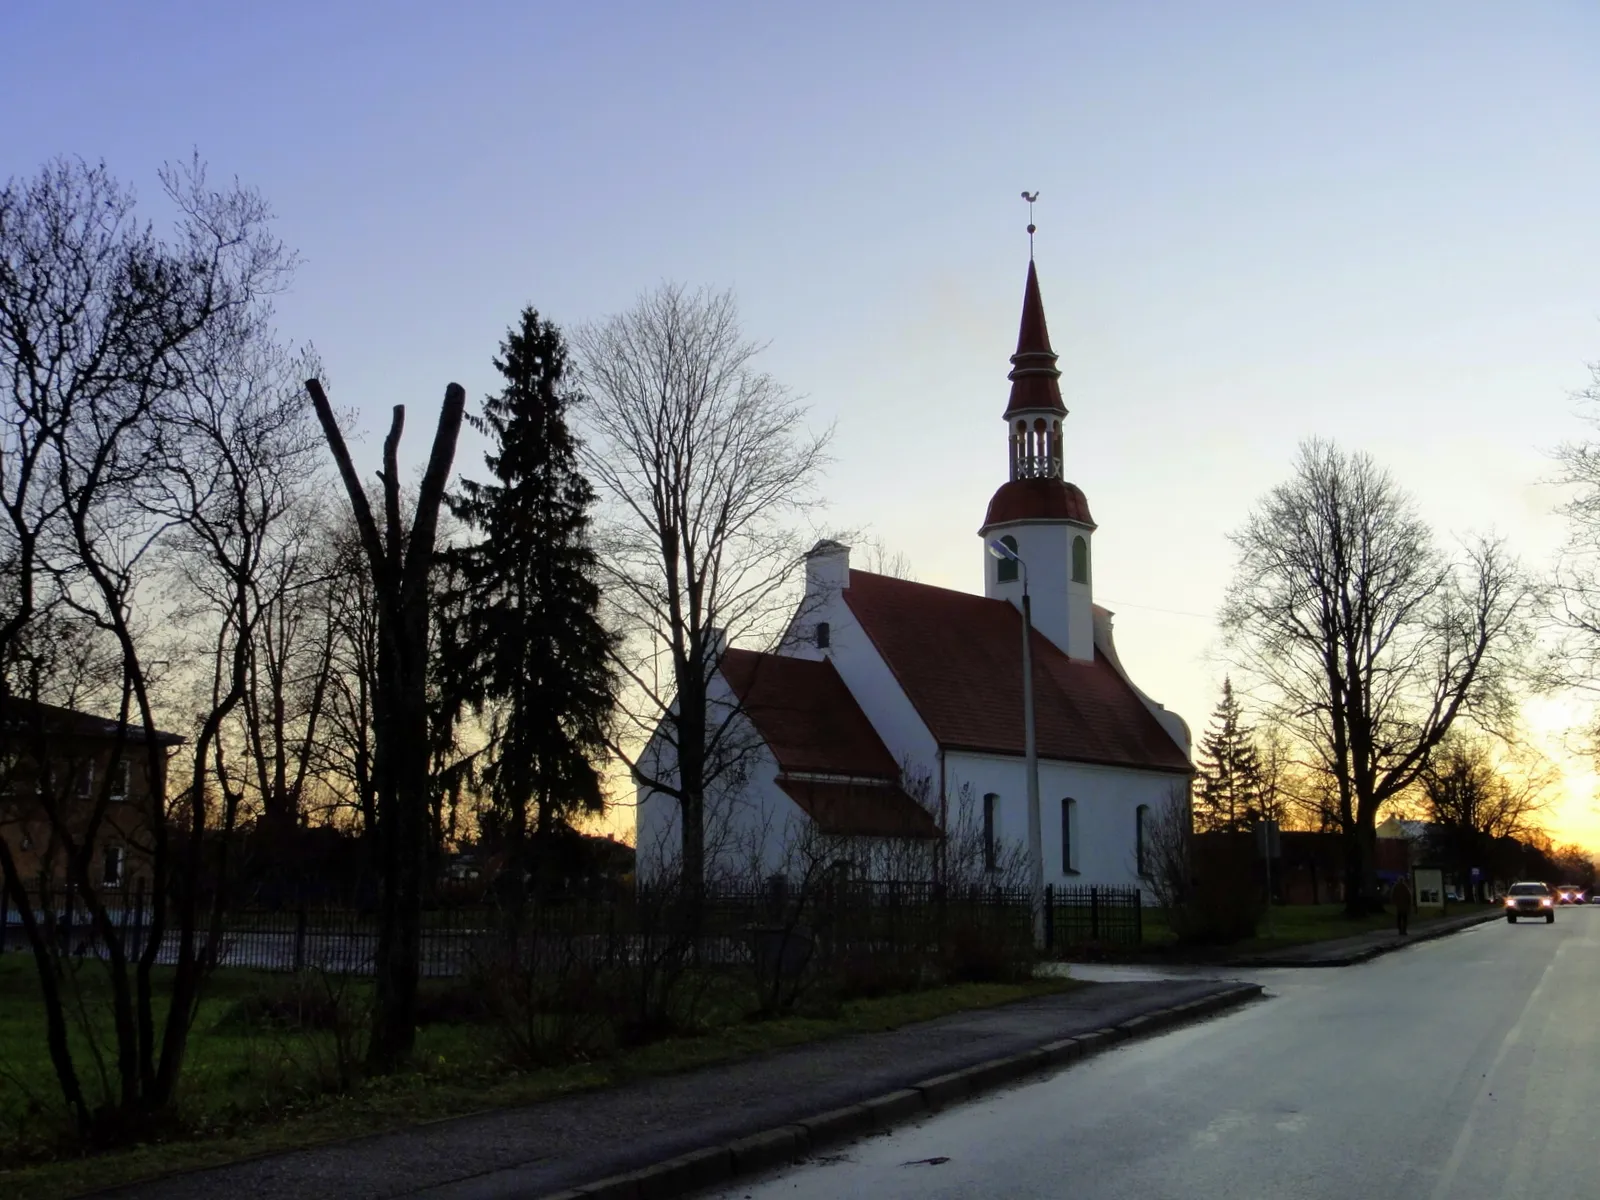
1030	749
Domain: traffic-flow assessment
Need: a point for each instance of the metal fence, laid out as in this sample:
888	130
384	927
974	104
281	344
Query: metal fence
728	926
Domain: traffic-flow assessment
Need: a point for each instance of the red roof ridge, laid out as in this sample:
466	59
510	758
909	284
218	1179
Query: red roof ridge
956	656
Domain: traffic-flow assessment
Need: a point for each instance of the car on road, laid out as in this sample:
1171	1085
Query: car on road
1569	893
1530	900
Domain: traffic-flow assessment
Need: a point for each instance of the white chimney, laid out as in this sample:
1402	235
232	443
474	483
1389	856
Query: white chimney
827	568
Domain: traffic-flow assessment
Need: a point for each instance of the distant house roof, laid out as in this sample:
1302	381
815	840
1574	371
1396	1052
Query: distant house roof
831	761
21	718
958	659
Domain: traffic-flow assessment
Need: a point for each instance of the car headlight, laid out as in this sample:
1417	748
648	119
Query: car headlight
1546	901
1510	903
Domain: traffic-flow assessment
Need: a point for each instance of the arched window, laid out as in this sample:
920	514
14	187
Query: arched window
1006	568
1080	559
991	830
823	634
1141	827
1069	841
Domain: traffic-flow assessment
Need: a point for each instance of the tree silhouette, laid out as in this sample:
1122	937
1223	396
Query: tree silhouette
524	637
1228	793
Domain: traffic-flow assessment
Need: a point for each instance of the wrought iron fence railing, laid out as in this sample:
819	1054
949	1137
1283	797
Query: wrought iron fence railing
725	925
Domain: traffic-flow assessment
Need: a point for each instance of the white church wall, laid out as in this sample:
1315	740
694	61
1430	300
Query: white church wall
1106	813
751	824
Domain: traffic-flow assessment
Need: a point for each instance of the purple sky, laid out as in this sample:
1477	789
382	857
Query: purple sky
1258	221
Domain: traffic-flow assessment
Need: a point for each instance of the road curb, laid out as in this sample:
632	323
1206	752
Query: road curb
1371	952
784	1144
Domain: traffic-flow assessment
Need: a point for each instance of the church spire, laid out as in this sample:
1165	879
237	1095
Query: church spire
1033	415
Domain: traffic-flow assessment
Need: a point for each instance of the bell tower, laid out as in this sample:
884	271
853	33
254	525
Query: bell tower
1036	512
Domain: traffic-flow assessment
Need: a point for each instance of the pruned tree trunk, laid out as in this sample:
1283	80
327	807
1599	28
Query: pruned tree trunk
400	561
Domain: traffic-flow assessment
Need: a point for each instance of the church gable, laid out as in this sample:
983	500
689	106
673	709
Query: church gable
831	761
958	658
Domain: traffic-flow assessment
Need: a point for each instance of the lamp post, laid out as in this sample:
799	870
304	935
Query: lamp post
1030	749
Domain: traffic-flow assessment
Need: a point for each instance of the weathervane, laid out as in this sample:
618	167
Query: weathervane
1030	197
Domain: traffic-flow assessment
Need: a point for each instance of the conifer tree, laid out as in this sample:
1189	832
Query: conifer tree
1228	787
524	642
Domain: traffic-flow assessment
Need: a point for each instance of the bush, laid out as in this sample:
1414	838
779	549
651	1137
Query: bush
976	953
303	1001
1223	902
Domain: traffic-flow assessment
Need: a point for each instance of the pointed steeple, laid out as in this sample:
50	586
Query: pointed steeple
1035	381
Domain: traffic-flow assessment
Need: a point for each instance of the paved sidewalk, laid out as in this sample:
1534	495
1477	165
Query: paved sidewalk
1344	952
567	1142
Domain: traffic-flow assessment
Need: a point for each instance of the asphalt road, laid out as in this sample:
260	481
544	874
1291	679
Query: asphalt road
1460	1068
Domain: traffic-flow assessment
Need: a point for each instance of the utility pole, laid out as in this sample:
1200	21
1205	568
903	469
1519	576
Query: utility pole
1030	750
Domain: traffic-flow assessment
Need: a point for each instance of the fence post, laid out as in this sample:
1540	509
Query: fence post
1050	916
5	917
136	947
300	939
1138	916
1094	914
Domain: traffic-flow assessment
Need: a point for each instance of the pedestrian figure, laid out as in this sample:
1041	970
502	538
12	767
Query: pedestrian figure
1401	896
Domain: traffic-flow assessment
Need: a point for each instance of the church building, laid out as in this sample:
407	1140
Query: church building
890	721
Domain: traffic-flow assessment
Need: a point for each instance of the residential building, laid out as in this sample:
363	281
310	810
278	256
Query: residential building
59	768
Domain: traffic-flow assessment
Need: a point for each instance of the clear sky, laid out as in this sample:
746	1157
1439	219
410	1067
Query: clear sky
1258	221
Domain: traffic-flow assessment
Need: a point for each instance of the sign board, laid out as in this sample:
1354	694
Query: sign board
1427	885
1267	844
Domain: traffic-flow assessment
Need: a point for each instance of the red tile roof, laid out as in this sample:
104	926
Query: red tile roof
1035	381
807	716
815	729
1038	499
861	810
958	658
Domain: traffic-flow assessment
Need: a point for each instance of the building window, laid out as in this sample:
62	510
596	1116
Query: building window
1006	568
822	635
1080	559
1141	824
119	779
1069	843
86	780
114	856
991	831
12	782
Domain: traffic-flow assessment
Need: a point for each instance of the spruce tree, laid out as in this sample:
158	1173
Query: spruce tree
524	642
1228	787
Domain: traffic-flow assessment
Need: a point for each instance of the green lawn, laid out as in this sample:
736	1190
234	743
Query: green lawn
1297	924
1292	925
251	1088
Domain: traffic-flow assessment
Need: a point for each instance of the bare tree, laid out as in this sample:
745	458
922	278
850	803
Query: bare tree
348	610
234	465
703	464
1574	662
1478	793
878	558
1367	641
290	671
106	335
399	559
